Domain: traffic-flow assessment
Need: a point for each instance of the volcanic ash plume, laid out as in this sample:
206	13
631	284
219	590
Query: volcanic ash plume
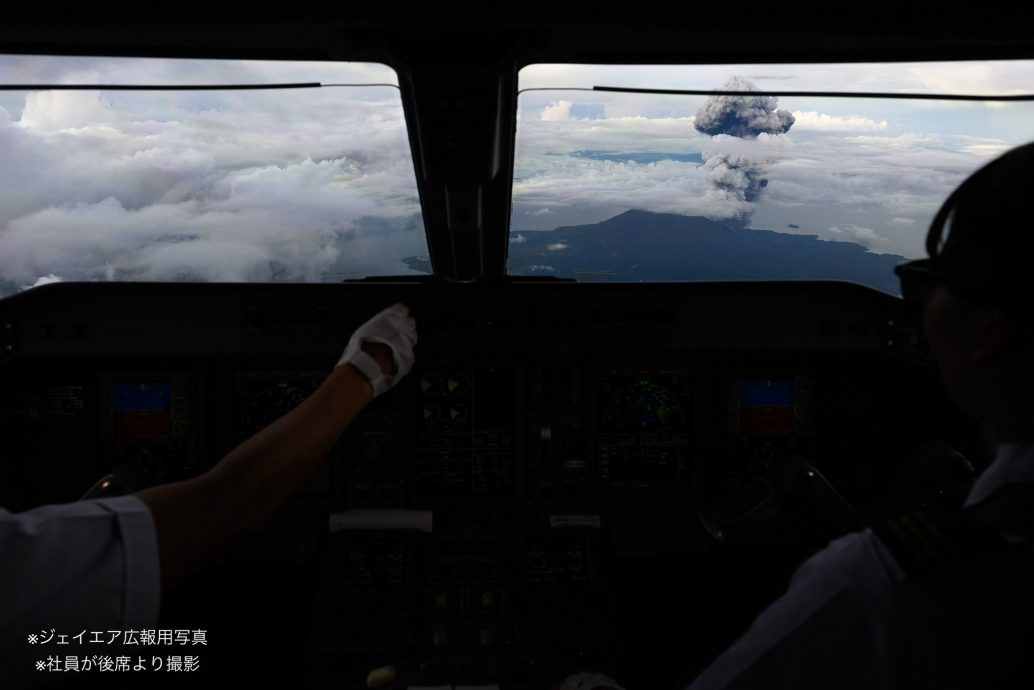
738	177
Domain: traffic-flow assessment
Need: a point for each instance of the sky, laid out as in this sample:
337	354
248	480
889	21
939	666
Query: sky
318	184
302	185
871	170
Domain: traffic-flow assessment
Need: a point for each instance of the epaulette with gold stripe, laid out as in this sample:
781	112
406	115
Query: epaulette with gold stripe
924	540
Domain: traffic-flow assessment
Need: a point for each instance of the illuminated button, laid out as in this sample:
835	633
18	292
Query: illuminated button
488	600
430	384
457	384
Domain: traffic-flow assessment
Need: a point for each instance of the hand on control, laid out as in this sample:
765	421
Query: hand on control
392	328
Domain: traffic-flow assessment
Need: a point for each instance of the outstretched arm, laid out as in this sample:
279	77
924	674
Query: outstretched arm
831	629
197	519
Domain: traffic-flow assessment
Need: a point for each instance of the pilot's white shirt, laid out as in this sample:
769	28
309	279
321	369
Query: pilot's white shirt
65	569
831	628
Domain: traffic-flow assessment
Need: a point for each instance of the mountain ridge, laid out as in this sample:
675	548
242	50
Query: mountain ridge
639	245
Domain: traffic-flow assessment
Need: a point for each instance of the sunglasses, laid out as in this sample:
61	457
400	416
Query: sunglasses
919	280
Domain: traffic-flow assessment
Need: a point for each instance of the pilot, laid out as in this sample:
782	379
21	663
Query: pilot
849	618
102	564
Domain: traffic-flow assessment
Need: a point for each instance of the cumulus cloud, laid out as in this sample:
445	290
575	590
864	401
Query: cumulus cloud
615	133
820	122
205	185
557	112
900	141
541	212
978	77
56	110
579	183
557	246
518	239
901	221
867	237
899	176
45	280
987	148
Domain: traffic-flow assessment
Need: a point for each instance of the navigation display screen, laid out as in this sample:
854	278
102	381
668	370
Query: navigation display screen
644	423
262	397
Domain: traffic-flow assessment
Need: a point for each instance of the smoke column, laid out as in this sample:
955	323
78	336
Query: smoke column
744	117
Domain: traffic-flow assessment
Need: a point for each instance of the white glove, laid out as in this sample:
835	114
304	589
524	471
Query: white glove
393	327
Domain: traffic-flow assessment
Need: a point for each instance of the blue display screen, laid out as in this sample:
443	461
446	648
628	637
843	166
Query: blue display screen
758	392
141	397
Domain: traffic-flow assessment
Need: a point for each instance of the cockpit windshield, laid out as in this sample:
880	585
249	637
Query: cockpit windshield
813	172
307	179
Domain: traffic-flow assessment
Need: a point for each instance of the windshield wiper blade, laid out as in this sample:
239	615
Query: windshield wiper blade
821	94
181	87
158	87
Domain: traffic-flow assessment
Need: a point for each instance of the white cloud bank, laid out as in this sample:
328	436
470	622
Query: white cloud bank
820	122
866	237
557	112
265	185
830	171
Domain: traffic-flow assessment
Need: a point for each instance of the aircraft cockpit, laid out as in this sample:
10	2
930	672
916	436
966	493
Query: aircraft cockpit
662	354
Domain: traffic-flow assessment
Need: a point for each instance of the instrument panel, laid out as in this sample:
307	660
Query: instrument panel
465	431
644	428
512	506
